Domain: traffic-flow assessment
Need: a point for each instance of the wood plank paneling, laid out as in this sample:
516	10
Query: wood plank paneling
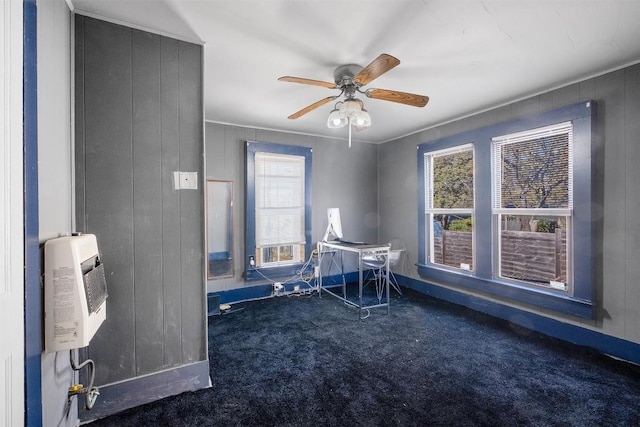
632	213
147	197
525	108
337	173
171	288
108	208
79	124
192	204
587	89
610	88
566	96
141	117
217	157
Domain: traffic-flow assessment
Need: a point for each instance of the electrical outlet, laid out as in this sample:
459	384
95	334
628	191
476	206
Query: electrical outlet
277	287
252	261
296	288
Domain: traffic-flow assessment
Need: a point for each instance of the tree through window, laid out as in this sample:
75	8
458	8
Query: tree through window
449	206
532	202
531	221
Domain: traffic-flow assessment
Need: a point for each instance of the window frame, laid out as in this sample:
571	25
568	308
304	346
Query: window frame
498	210
432	211
581	302
253	272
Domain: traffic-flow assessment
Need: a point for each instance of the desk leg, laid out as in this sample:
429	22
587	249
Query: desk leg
387	281
319	278
344	281
360	285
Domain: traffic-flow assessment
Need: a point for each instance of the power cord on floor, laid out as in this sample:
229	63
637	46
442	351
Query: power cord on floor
298	277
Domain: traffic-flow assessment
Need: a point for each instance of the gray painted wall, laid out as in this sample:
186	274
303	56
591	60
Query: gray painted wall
138	119
55	182
343	177
616	181
366	191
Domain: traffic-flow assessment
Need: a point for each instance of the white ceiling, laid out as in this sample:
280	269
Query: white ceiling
466	55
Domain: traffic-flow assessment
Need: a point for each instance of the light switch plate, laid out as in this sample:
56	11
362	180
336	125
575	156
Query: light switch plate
185	180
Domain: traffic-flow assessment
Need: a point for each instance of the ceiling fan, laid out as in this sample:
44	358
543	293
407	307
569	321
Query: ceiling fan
350	79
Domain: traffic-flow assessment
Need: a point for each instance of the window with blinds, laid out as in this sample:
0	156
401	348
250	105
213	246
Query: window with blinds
531	221
279	208
532	201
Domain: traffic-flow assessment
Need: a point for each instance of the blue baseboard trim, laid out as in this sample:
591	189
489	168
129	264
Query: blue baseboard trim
264	290
145	389
606	344
282	272
538	297
234	296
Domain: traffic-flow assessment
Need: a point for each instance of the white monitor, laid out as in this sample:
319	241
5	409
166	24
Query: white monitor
334	228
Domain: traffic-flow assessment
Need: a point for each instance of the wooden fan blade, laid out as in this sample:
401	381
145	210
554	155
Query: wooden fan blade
307	82
311	107
400	97
378	67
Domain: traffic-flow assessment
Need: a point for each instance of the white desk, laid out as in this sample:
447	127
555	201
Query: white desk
380	252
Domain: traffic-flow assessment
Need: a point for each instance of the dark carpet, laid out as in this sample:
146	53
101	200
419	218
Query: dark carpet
309	361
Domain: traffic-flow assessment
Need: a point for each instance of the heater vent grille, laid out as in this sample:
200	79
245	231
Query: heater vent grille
96	288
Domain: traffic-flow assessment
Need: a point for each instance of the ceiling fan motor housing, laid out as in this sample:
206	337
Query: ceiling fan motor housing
344	74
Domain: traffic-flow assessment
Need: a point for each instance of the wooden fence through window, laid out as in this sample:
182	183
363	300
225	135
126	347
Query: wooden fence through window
529	256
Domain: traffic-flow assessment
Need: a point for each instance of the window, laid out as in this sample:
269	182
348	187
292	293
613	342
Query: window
279	195
532	206
449	206
520	193
278	214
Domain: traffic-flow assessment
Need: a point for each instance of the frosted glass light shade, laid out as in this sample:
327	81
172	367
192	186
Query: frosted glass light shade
362	119
336	120
350	107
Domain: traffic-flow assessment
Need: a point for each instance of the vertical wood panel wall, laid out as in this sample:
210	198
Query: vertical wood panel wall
139	118
616	179
343	177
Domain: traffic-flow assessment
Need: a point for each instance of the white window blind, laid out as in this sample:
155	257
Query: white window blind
279	198
532	201
534	169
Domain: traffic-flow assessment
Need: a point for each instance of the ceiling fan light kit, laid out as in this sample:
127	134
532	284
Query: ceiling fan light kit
349	79
350	111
